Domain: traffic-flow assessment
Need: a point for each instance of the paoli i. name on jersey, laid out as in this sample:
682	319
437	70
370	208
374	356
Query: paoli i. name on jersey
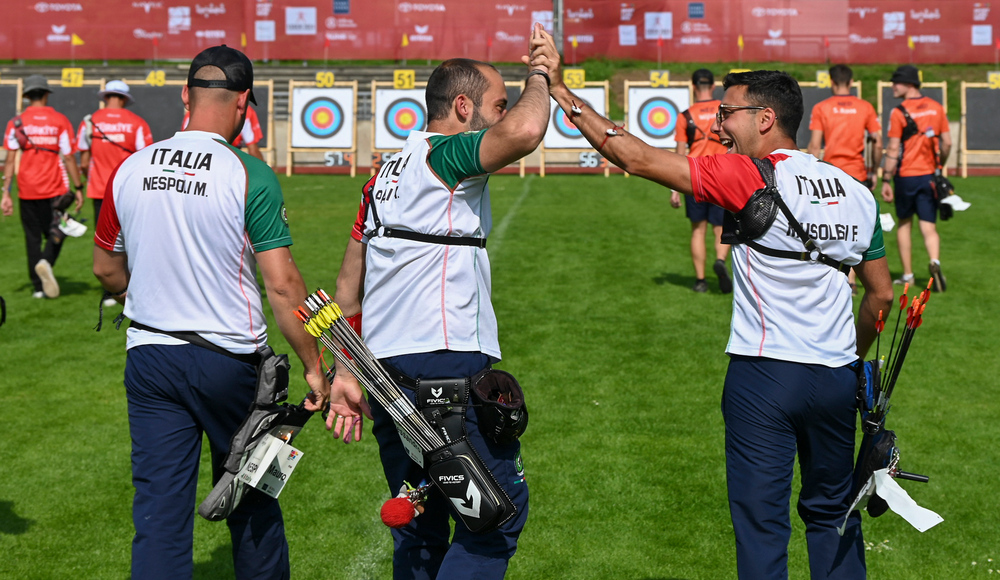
388	178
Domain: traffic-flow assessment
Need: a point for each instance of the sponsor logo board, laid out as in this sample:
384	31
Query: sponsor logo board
43	7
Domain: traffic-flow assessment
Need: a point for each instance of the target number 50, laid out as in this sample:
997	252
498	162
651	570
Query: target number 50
324	79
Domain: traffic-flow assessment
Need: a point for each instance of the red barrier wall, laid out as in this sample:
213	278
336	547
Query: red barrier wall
853	31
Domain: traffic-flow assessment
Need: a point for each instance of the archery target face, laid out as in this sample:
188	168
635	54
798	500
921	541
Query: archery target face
654	114
397	112
322	118
562	133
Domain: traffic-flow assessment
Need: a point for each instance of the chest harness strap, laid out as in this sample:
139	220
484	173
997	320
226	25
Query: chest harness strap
770	191
384	232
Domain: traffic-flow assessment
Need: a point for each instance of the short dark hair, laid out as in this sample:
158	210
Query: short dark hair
457	76
774	89
36	94
841	74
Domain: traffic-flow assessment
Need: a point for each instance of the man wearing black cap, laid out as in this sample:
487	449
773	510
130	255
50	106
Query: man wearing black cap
919	143
43	138
695	138
185	224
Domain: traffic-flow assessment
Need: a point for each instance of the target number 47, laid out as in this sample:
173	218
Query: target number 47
324	79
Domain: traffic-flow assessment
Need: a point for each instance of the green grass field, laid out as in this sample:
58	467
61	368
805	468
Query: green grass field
623	366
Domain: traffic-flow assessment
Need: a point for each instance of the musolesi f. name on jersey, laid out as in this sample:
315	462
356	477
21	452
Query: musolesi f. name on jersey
788	309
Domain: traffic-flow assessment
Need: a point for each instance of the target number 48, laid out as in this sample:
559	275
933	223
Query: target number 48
156	78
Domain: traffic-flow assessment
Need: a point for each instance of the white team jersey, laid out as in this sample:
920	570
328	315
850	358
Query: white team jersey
422	297
184	211
787	309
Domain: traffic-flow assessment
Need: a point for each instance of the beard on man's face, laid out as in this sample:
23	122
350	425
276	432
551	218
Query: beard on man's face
478	122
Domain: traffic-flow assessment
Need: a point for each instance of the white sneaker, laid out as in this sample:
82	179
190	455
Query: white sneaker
49	284
71	227
38	294
110	302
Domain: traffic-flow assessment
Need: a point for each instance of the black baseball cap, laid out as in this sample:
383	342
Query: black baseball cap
906	74
703	76
235	64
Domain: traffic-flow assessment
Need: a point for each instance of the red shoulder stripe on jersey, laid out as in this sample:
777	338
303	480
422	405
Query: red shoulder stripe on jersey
358	230
108	226
727	180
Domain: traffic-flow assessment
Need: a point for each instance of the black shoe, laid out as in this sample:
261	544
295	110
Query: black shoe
940	283
725	284
700	286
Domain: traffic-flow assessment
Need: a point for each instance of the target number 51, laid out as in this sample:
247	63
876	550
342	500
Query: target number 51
324	79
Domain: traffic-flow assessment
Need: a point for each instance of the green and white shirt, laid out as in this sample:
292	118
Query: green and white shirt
190	212
420	296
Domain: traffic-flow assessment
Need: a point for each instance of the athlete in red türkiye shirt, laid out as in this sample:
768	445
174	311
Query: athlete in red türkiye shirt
249	136
115	134
41	174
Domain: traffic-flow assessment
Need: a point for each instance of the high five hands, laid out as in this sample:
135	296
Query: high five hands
543	55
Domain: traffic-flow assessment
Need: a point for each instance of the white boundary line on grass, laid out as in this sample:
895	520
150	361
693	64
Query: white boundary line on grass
365	562
497	235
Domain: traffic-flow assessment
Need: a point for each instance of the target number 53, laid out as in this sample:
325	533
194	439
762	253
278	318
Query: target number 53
324	79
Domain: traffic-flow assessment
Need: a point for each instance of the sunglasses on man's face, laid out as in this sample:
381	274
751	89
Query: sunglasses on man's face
726	110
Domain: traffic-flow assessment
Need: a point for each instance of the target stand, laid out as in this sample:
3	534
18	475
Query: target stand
395	112
653	111
563	136
323	120
10	103
979	124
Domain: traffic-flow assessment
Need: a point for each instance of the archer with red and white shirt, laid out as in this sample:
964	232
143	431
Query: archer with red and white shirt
249	136
107	137
43	140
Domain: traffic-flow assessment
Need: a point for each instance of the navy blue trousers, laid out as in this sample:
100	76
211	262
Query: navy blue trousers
772	410
422	550
175	394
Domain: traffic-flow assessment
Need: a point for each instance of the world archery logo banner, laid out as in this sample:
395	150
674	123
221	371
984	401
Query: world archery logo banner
562	133
654	114
322	118
396	113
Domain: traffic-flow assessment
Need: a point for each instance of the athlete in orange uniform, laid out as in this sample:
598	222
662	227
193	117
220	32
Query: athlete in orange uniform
845	121
695	138
107	137
925	147
43	138
249	135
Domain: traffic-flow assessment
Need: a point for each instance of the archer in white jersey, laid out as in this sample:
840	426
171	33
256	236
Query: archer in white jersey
792	379
425	273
